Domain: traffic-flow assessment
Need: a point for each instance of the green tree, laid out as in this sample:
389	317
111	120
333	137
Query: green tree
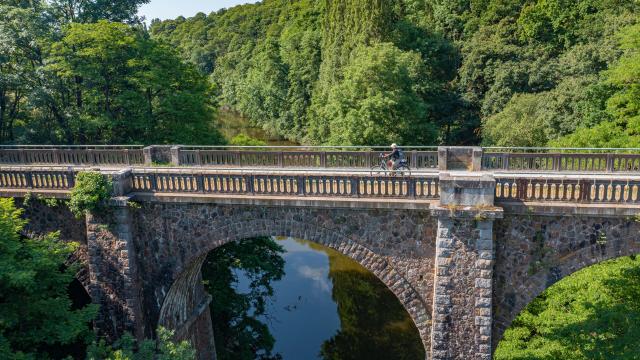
378	101
592	314
22	34
239	332
89	11
126	348
519	124
35	309
91	192
621	126
246	140
129	89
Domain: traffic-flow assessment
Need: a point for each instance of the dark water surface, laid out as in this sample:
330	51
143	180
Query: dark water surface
323	306
231	124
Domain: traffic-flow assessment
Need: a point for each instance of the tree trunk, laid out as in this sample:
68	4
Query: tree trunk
78	81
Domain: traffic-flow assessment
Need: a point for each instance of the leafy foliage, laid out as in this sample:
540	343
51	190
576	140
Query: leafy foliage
621	127
288	66
246	140
519	124
592	314
126	348
71	75
378	100
35	310
285	65
129	88
67	77
235	315
90	193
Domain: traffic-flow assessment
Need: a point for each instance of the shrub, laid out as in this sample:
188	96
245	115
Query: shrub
37	316
90	193
126	349
246	140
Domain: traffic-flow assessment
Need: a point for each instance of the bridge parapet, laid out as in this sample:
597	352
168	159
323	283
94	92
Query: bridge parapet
419	158
577	188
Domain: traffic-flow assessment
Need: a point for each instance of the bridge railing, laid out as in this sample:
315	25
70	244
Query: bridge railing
299	159
555	162
527	188
37	179
576	190
275	184
71	156
421	158
334	185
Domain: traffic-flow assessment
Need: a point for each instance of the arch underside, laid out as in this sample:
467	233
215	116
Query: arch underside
182	298
566	265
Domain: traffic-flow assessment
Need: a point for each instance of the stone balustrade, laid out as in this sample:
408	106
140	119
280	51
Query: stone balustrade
557	162
347	185
577	189
72	156
588	189
424	159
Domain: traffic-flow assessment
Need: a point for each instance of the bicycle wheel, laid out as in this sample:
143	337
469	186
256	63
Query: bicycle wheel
403	170
378	170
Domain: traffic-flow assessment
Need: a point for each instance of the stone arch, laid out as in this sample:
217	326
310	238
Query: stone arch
623	245
81	256
182	298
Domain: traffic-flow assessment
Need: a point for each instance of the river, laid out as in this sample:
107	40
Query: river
231	124
286	298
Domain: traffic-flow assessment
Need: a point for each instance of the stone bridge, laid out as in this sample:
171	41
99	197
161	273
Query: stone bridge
465	241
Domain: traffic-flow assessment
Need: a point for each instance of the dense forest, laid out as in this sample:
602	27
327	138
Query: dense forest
499	72
416	72
86	72
592	314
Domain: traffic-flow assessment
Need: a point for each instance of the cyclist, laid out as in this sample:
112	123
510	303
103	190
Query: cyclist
395	156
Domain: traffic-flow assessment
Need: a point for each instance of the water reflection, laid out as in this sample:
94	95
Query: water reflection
231	124
293	299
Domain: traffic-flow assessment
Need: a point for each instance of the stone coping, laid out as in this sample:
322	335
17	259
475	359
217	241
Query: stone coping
220	170
468	212
20	193
296	201
509	207
569	209
467	181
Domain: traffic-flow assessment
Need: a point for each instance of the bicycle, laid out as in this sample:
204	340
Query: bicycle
382	168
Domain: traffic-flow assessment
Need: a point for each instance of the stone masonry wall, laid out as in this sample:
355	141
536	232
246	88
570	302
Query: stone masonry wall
396	245
113	269
535	251
462	292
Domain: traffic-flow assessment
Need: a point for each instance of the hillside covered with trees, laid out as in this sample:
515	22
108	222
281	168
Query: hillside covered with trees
422	72
87	73
416	72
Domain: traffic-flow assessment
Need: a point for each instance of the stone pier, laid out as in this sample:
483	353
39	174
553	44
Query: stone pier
462	291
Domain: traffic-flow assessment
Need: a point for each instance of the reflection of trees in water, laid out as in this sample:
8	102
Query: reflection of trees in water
374	325
239	335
